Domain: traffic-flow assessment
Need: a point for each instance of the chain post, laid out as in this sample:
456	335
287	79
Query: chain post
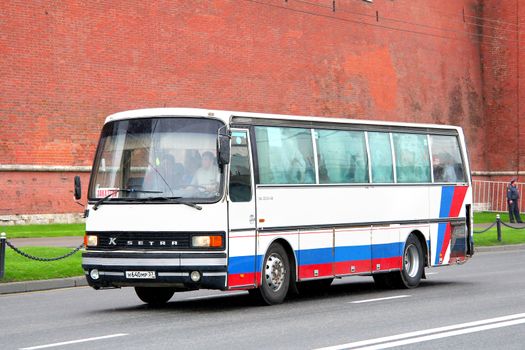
498	226
2	254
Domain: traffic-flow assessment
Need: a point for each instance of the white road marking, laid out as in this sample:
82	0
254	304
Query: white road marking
379	299
433	333
431	273
75	341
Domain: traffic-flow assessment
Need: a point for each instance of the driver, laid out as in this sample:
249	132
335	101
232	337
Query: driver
207	175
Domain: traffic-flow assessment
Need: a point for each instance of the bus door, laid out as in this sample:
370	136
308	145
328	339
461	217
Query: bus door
241	213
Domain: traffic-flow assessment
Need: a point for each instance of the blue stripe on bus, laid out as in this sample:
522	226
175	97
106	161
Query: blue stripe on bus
442	227
315	256
360	252
245	264
447	193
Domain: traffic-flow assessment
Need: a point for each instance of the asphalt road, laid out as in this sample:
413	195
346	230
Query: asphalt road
480	305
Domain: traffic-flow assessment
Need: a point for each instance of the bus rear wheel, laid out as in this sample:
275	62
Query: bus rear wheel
413	263
275	277
154	296
412	269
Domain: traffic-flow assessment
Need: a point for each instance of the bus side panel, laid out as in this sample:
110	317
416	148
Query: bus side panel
316	254
447	202
244	268
386	248
353	253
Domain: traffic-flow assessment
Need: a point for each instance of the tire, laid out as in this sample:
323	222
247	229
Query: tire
154	296
275	277
411	272
413	263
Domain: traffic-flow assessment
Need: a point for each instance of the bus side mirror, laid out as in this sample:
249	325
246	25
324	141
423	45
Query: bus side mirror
224	149
78	188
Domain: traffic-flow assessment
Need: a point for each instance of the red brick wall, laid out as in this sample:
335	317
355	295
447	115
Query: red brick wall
38	192
66	65
504	89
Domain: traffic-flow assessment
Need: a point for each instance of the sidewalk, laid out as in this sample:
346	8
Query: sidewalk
479	227
68	242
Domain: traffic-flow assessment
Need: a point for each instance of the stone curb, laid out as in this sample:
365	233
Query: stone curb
33	286
500	248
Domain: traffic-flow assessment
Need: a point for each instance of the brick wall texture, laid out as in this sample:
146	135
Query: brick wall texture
66	65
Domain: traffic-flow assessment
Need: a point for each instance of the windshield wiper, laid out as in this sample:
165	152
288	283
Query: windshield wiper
174	200
127	190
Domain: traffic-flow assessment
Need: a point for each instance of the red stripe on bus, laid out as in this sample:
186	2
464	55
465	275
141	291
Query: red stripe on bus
243	279
323	270
387	263
345	267
457	202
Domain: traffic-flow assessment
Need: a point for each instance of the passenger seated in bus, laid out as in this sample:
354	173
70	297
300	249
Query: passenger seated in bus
166	176
208	174
443	168
192	162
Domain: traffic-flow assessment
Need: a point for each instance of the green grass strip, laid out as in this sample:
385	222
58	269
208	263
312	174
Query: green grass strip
49	230
486	217
19	268
508	236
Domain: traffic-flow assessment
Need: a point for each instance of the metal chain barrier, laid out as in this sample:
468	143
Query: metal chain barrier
488	228
37	258
514	227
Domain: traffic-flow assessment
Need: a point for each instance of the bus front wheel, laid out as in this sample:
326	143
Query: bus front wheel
154	296
275	277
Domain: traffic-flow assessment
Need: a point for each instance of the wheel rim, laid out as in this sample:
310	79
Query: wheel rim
274	272
411	260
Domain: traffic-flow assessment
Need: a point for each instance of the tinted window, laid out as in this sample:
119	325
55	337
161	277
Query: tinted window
342	156
446	159
381	157
412	159
285	155
240	174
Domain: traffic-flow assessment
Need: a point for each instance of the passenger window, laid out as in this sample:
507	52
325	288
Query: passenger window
342	156
285	155
446	159
381	157
412	158
240	174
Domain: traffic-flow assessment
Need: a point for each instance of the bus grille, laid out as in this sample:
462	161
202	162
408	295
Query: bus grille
142	240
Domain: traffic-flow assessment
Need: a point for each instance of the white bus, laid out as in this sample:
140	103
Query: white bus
182	199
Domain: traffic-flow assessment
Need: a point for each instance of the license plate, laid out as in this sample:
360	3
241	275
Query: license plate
141	274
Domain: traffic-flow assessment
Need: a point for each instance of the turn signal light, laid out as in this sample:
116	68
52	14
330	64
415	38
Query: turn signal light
90	240
214	241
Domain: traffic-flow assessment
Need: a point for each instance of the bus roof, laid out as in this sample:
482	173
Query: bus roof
226	116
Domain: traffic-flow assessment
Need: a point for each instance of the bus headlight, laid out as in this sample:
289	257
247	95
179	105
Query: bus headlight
211	241
94	274
195	276
90	240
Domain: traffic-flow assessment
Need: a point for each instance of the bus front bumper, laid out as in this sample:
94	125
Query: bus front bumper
184	271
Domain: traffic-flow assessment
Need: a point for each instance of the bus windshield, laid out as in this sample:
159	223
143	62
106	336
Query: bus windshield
158	158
